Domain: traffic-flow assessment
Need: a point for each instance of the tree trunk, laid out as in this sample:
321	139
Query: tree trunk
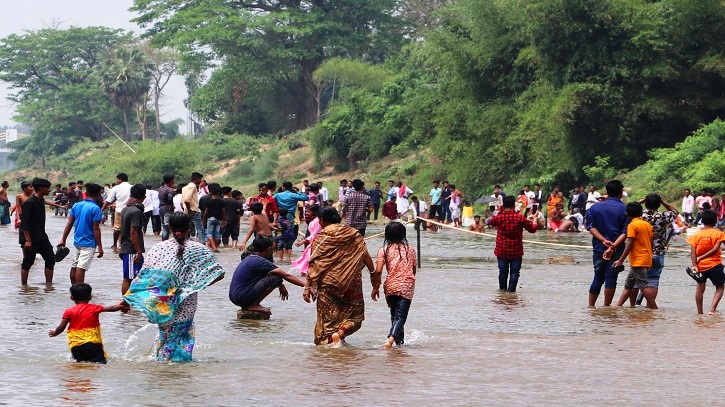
157	93
126	136
305	97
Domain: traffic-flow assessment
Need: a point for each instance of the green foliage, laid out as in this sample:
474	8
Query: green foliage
697	162
548	91
276	44
53	74
601	172
352	73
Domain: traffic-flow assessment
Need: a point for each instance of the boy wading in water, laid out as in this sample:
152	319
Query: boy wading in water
399	259
509	243
84	332
258	225
706	260
639	249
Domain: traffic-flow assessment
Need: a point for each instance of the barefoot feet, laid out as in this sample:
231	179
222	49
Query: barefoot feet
389	343
258	308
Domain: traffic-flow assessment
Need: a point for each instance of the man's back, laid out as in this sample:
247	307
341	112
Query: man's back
609	218
85	213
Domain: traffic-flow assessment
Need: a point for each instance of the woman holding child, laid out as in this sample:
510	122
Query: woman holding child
166	288
334	278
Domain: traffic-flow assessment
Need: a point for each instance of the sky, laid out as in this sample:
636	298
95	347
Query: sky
37	14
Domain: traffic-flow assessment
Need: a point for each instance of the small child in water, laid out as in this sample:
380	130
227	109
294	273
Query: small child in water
258	224
706	257
285	236
84	332
400	260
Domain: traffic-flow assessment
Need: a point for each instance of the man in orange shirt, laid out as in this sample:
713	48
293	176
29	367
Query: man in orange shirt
707	261
639	249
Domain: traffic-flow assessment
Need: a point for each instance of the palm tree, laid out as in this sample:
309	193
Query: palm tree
126	78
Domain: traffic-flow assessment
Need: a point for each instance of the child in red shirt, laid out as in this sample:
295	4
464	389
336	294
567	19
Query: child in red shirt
84	332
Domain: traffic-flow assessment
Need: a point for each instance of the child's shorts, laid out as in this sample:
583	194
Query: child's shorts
637	278
130	269
89	352
715	274
284	244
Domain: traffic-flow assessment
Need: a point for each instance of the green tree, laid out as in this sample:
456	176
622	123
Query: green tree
126	78
278	43
52	73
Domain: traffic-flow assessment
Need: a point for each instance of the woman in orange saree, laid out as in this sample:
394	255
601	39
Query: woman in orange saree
334	279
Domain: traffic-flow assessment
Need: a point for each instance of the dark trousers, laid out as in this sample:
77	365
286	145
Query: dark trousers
361	230
156	223
436	212
231	229
376	210
399	307
44	248
146	219
419	222
446	216
506	268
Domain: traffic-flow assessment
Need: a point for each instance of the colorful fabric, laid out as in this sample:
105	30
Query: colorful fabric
400	261
509	234
641	231
335	271
660	222
302	264
175	342
165	290
83	324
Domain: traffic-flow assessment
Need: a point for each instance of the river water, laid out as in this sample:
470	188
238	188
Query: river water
467	343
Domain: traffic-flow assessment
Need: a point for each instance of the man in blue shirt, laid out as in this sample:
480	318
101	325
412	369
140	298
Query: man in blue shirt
376	195
86	217
436	202
288	199
607	222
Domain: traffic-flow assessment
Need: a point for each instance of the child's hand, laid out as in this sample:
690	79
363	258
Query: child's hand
300	243
52	333
375	294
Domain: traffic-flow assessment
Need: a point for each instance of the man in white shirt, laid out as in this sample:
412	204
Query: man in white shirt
118	194
592	197
688	205
530	199
418	208
324	191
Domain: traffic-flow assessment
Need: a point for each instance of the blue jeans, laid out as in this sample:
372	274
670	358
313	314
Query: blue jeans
165	224
447	217
603	273
506	267
399	307
196	220
214	228
653	274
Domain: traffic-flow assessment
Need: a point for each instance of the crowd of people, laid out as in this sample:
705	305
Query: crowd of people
193	220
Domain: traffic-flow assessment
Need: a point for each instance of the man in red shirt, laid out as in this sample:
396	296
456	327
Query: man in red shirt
509	243
270	204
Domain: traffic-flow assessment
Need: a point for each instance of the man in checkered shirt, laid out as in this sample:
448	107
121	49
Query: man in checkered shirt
357	205
509	243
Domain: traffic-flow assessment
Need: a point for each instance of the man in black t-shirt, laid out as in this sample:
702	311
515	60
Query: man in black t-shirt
233	210
256	277
33	238
132	244
214	217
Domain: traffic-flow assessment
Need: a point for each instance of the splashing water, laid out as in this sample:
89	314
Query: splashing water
140	344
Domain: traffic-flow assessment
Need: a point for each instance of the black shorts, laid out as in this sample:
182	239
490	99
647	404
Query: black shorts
715	274
255	293
44	248
89	352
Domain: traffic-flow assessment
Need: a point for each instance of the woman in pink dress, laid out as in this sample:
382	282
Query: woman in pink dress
313	228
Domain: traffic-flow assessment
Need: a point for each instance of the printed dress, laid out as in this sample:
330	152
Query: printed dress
166	291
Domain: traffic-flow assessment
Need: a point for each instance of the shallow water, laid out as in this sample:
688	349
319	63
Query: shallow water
467	343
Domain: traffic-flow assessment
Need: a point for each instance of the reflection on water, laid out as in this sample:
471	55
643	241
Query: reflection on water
466	342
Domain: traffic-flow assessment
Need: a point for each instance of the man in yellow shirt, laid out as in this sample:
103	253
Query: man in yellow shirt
639	249
190	203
